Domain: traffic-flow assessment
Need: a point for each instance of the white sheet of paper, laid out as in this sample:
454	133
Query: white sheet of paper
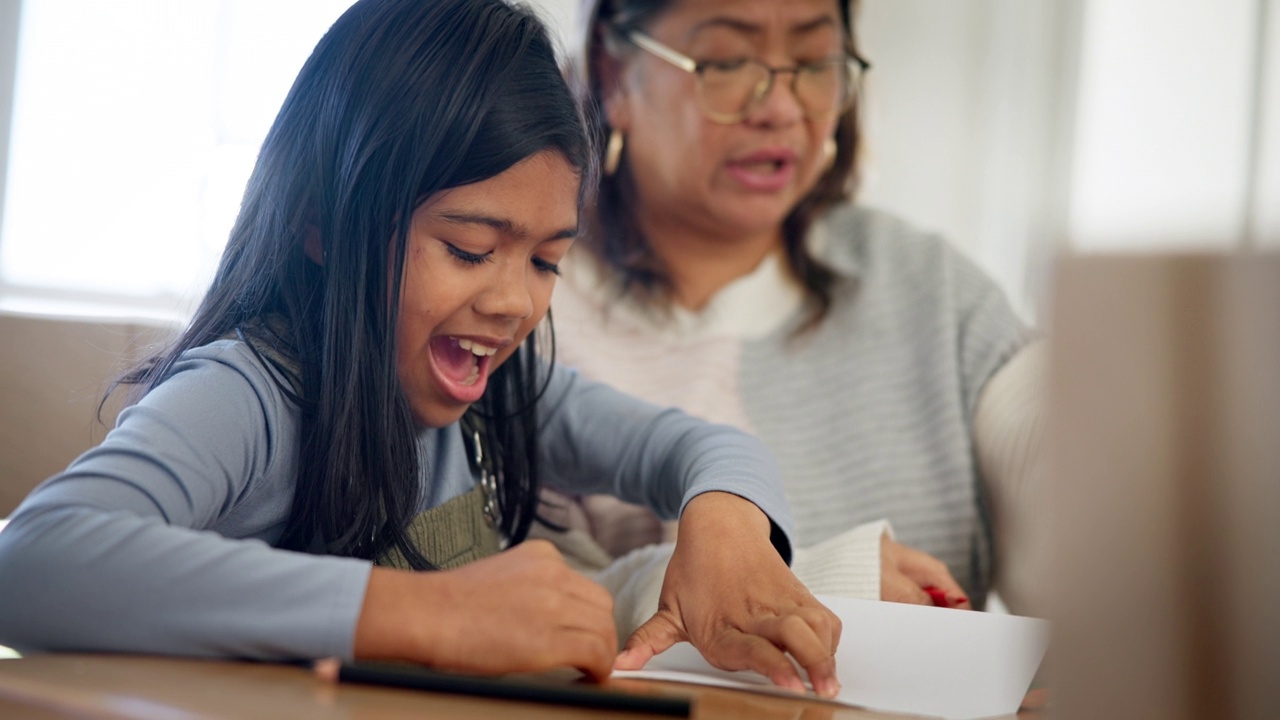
911	659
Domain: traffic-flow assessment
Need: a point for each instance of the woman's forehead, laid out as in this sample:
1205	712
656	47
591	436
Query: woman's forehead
692	17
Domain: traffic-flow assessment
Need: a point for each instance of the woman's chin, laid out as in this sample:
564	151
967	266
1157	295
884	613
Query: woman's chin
752	215
752	222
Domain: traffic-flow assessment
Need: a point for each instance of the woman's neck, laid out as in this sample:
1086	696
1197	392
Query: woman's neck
700	264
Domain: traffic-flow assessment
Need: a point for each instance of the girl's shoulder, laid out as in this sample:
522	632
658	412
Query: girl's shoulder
259	353
235	375
235	357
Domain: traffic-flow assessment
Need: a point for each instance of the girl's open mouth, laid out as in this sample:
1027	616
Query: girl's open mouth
461	366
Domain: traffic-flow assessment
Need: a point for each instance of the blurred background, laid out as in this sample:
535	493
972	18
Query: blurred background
1013	127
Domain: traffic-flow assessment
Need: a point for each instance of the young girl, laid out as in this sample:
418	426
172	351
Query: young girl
358	399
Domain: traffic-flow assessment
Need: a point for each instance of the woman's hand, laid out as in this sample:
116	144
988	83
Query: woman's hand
523	610
908	575
729	593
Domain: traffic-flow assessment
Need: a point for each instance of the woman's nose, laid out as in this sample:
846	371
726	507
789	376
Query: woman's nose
780	106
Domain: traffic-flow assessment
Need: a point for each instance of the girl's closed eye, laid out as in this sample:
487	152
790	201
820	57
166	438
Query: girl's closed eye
546	266
468	258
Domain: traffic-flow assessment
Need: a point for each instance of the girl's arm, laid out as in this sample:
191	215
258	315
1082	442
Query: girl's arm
118	552
522	610
728	589
729	593
595	439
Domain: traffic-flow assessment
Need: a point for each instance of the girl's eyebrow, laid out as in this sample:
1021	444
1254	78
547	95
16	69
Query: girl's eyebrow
502	225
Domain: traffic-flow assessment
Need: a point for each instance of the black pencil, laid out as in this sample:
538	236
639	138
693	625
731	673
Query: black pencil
529	690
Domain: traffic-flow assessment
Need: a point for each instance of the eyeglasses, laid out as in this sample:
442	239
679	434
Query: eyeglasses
728	91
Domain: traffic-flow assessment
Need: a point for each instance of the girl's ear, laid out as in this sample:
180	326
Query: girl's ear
312	246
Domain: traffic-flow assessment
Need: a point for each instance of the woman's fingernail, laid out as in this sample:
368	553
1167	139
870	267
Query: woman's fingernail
937	596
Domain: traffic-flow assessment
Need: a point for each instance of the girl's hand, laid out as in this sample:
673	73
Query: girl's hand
523	610
729	593
908	575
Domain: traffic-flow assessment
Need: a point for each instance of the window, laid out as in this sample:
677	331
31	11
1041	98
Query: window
1164	148
135	125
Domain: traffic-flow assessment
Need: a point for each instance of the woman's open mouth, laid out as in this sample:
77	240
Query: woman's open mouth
766	171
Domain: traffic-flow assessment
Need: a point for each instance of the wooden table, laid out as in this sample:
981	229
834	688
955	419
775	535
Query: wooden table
154	688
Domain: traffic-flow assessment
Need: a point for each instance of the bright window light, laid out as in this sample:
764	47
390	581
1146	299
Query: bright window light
1162	141
135	126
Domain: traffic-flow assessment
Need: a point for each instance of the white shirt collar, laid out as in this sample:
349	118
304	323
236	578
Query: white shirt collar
750	307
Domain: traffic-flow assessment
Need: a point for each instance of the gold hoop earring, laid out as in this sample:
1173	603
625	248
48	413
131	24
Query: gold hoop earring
613	152
829	150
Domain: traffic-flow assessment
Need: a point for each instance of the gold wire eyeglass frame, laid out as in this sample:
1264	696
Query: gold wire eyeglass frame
855	66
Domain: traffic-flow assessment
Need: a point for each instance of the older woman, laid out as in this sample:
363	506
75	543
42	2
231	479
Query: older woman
724	270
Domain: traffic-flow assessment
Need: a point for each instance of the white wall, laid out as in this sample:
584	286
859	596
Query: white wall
561	16
923	120
969	105
1266	200
1164	134
8	60
1018	127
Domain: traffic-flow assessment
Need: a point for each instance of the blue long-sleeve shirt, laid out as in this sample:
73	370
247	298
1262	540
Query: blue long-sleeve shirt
161	538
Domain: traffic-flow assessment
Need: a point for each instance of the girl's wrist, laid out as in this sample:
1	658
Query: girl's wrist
388	627
723	515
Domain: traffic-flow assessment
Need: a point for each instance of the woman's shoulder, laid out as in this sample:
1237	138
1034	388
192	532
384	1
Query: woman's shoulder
855	239
869	243
869	222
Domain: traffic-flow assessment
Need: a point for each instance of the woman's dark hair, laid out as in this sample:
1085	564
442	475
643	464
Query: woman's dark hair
399	100
612	232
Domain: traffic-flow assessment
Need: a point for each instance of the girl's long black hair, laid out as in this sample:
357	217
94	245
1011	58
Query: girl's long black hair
399	100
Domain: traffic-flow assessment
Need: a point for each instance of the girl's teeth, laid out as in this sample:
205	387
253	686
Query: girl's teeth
473	377
476	348
478	351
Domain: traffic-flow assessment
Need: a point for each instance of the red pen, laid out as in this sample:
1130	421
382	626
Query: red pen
937	595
